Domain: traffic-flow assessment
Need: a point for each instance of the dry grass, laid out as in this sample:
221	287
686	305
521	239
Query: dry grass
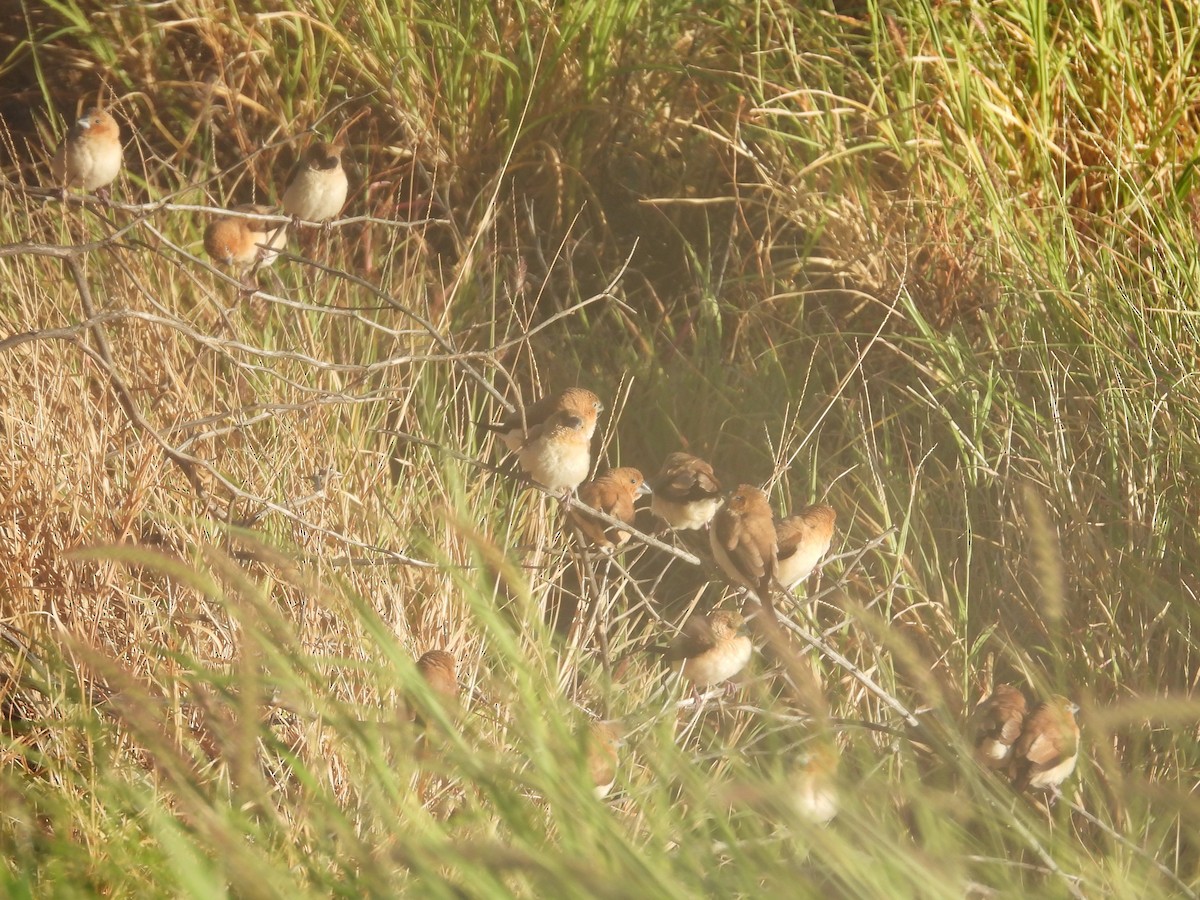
931	267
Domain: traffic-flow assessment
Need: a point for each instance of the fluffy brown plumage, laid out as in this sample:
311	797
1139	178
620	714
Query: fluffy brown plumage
613	493
90	155
241	243
602	742
998	720
713	648
743	540
686	493
439	668
518	426
803	540
553	438
1048	748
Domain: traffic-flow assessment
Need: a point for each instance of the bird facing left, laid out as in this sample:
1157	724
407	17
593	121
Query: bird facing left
90	155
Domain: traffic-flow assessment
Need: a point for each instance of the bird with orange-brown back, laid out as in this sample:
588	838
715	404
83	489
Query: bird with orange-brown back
243	244
439	668
90	156
685	493
1046	752
744	543
997	725
614	494
603	741
803	539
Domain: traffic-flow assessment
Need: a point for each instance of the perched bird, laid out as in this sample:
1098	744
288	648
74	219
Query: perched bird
1048	748
242	243
318	189
553	438
89	157
743	540
686	493
713	647
803	539
516	428
998	720
614	493
440	671
603	739
813	783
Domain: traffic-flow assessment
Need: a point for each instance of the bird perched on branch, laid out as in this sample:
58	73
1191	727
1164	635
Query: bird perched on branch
743	541
552	438
242	243
317	191
90	155
1048	748
803	539
686	493
713	647
998	720
613	493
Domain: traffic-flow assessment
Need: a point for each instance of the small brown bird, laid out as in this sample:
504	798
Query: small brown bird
318	189
614	493
686	493
518	427
998	720
743	540
813	783
1048	748
242	243
713	647
439	668
553	439
90	155
803	539
602	742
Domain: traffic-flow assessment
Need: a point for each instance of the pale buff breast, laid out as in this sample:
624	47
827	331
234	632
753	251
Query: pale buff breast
795	568
720	663
683	516
1053	776
88	165
316	195
557	460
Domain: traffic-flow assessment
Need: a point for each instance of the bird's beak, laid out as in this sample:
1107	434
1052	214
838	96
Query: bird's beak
643	489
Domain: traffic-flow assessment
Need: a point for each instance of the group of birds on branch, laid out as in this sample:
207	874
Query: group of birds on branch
246	237
551	440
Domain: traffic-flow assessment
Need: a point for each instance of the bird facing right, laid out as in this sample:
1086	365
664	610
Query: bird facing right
613	493
90	155
603	740
553	437
1048	748
686	493
318	189
521	425
713	647
804	538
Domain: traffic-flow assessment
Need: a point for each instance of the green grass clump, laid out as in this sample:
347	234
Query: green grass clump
933	264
